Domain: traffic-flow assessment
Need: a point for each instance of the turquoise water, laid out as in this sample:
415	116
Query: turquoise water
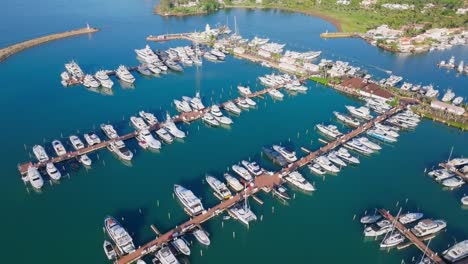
64	223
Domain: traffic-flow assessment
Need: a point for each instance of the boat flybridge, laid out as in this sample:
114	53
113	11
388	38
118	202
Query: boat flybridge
242	172
146	54
53	172
40	153
35	178
457	252
119	148
428	227
149	118
201	236
218	115
59	148
252	167
220	189
191	203
103	78
92	139
170	126
290	156
145	135
360	112
138	123
76	142
124	74
165	256
297	180
109	131
119	235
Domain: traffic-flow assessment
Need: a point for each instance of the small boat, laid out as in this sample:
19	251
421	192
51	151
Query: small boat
250	102
210	120
410	218
35	178
53	172
109	250
164	135
242	103
85	160
275	93
282	192
464	200
144	70
233	182
317	169
370	219
457	252
392	240
453	182
243	173
59	148
76	142
231	107
181	245
296	179
218	187
40	153
201	236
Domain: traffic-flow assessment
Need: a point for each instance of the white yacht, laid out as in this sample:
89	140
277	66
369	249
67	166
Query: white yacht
35	177
282	192
218	54
243	213
146	55
209	119
275	93
165	256
325	163
380	228
410	218
453	182
182	106
150	119
119	148
218	115
243	173
85	160
244	90
464	200
242	103
76	142
146	136
296	179
346	156
196	102
381	135
370	219
138	123
40	153
366	142
330	130
171	127
104	79
290	156
92	139
317	169
90	82
220	189
458	100
201	237
252	167
119	235
333	157
458	162
250	102
392	131
231	107
356	145
59	148
448	96
441	174
109	131
74	70
347	119
360	112
153	68
181	245
457	252
192	204
392	240
124	75
164	135
109	250
233	182
209	56
428	227
53	172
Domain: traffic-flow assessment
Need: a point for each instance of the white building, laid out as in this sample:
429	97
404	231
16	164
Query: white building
462	11
447	107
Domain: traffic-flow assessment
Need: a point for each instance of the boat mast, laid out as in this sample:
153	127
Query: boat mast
450	156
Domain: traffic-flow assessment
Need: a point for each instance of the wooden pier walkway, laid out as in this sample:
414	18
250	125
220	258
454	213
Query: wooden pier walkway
457	172
411	237
262	182
340	35
13	49
169	37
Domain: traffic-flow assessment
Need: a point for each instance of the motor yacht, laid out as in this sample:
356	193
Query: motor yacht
164	135
325	163
458	162
209	56
380	228
244	90
218	115
85	160
182	106
297	180
453	182
119	148
119	235
347	119
74	70
428	227
360	112
457	252
165	256
329	130
410	218
233	182
173	66
448	96
392	240
76	142
290	156
145	135
171	127
35	178
370	219
209	119
59	148
242	172
181	245
250	102
40	153
333	157
138	123
191	203
441	174
109	131
317	169
381	135
252	167
220	189
231	107
53	172
242	103
90	82
144	70
275	156
281	192
149	118
124	75
344	154
275	93
366	142
201	236
146	55
92	139
391	131
102	77
356	145
196	102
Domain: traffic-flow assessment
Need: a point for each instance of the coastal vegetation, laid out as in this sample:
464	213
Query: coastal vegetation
186	7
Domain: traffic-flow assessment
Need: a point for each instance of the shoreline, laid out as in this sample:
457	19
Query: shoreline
18	47
157	11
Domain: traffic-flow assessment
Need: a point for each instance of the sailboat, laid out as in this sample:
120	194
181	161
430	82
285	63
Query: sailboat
243	212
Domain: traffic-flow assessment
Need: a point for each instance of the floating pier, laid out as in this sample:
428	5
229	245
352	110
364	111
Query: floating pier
13	49
340	35
412	238
169	37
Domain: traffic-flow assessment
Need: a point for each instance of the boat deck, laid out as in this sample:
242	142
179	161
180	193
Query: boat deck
457	172
411	237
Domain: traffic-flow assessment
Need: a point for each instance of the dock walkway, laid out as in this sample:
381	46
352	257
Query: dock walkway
412	238
264	181
13	49
169	37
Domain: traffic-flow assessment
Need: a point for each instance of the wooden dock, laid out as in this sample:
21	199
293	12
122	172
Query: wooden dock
412	238
169	37
340	35
264	181
457	172
13	49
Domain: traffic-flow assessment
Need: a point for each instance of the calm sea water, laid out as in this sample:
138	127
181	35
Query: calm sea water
64	223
